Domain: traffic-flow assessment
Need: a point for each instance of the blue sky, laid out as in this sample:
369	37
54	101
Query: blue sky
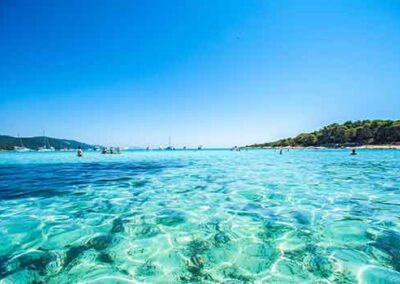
217	73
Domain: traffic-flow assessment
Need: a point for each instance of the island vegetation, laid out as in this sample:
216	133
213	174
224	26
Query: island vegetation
350	133
10	143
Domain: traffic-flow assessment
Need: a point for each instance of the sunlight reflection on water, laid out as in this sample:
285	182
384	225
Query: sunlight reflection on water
200	216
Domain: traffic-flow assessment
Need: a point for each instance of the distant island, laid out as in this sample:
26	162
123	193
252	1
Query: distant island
349	134
35	143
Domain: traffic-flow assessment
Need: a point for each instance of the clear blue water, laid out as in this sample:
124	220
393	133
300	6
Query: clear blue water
307	216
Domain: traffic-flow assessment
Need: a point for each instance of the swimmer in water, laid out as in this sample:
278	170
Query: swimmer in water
353	152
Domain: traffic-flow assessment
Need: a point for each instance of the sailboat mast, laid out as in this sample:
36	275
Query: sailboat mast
20	141
44	139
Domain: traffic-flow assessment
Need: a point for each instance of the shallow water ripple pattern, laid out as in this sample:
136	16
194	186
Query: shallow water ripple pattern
211	216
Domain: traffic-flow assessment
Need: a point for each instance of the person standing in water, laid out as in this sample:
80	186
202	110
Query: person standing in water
353	152
80	152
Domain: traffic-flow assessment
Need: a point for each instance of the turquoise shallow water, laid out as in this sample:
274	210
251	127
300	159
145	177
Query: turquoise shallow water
307	216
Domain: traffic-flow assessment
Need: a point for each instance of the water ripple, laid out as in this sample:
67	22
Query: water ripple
200	217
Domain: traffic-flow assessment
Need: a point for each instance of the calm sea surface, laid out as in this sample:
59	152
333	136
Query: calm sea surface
307	216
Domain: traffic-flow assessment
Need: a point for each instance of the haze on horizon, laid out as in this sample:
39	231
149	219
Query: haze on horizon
216	73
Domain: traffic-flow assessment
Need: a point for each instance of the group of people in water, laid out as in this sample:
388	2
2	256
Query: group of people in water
111	150
352	153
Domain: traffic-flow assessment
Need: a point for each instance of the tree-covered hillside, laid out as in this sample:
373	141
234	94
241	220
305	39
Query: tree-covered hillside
9	142
361	132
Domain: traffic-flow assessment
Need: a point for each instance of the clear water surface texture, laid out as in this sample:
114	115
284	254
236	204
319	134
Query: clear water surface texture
210	216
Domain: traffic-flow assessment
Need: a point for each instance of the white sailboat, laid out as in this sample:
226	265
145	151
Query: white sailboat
169	147
45	143
21	148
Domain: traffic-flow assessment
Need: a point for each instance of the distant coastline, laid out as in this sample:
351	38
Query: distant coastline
10	143
361	134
